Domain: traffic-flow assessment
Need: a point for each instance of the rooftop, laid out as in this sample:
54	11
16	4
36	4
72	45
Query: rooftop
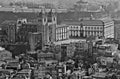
84	22
68	41
30	23
9	22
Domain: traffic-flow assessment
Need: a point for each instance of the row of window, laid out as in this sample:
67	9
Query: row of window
75	33
75	27
86	27
93	28
61	36
60	30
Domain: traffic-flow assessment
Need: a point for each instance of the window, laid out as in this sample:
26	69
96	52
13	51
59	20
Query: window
72	33
78	27
101	27
65	36
97	27
75	33
19	22
61	30
78	33
91	27
66	29
54	19
71	27
44	19
49	20
88	28
94	28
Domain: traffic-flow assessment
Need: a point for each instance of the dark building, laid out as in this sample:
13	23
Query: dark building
24	29
35	40
3	37
9	27
48	23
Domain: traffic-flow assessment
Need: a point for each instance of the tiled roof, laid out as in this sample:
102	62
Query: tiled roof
84	22
76	15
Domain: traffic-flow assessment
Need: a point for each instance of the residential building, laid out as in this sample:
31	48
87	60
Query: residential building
45	56
4	54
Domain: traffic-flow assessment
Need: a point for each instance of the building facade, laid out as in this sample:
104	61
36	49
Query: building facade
35	39
84	28
9	27
24	29
117	29
62	32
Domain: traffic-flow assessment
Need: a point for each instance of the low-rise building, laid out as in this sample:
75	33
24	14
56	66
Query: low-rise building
4	54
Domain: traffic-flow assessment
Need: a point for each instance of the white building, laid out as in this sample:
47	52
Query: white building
81	29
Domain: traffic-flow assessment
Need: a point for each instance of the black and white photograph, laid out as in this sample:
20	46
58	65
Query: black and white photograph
59	39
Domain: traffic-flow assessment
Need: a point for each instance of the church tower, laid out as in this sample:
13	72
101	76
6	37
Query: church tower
42	21
52	22
52	16
42	17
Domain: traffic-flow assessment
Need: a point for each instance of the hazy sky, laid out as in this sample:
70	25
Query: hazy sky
56	2
52	1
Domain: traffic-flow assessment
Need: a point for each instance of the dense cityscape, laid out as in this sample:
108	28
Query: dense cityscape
44	42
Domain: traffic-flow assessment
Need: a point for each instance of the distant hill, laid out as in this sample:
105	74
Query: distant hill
63	3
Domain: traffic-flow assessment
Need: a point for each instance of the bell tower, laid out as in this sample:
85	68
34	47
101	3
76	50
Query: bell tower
42	17
52	22
52	16
42	21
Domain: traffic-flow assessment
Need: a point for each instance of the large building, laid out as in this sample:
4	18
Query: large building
9	27
24	29
49	22
45	23
84	28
